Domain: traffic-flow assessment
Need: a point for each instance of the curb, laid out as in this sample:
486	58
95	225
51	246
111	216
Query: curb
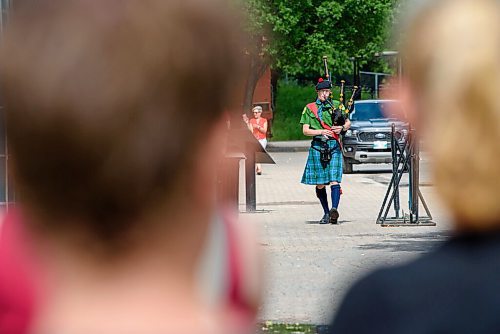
288	146
286	149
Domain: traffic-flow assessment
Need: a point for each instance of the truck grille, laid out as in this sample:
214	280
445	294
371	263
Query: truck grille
374	136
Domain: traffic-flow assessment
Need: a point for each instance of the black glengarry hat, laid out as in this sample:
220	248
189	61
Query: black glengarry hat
323	84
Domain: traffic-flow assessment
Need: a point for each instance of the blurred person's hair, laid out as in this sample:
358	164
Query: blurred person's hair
451	55
107	103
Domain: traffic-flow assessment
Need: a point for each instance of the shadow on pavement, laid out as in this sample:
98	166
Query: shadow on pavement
422	242
373	171
316	222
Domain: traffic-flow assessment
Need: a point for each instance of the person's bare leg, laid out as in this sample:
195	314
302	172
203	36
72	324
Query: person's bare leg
258	169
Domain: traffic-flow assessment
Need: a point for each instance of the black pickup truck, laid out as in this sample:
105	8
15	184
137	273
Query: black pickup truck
369	138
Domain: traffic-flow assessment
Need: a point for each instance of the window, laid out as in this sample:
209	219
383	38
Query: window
378	110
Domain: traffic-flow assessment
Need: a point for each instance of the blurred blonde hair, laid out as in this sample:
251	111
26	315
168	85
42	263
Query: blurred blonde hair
452	61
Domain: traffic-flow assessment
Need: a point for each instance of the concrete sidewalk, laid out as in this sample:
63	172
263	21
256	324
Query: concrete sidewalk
310	266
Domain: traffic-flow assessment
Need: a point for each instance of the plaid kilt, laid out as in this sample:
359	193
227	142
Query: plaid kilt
314	173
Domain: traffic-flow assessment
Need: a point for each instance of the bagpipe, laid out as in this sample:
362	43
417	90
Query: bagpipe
339	113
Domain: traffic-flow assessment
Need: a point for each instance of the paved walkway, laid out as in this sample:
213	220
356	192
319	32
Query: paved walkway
310	266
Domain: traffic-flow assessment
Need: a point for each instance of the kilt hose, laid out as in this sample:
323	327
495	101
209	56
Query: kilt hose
315	174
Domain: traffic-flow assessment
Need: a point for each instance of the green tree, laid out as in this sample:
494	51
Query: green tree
293	35
302	31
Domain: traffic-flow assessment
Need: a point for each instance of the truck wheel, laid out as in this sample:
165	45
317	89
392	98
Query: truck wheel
347	166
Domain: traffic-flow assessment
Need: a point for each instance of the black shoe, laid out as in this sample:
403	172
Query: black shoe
334	216
325	219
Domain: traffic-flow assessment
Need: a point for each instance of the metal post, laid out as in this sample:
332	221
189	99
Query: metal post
251	201
356	73
408	158
414	177
376	86
396	178
394	149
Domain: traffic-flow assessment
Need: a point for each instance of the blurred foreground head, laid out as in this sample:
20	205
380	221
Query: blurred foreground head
111	105
451	52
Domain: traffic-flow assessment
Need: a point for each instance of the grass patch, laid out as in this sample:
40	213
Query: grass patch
290	102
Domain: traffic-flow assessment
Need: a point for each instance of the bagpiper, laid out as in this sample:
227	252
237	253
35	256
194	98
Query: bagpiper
324	163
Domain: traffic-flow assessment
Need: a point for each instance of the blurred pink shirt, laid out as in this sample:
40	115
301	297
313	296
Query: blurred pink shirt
17	276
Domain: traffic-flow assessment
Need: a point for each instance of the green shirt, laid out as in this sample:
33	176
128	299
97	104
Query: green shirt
309	118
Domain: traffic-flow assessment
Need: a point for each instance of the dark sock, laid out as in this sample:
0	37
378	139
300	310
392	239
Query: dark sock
335	195
323	198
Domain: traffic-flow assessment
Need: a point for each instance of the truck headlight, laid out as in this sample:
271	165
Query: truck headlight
351	133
